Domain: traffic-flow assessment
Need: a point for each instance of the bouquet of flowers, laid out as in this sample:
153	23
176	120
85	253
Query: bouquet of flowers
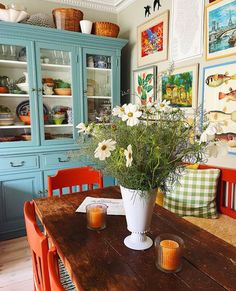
142	145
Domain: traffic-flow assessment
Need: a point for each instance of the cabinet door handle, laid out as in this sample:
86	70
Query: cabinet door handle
63	161
17	165
33	89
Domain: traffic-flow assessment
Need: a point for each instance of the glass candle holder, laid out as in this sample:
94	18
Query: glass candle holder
96	216
169	249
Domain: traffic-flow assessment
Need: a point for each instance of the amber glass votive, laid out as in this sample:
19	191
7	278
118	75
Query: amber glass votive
96	216
169	249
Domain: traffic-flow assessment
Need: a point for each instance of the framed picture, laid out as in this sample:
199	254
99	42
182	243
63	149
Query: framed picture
144	84
220	29
219	100
153	40
180	88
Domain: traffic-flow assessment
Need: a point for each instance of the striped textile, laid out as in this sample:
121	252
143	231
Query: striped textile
65	277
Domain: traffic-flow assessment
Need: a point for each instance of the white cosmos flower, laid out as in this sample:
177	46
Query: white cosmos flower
131	114
83	128
119	110
104	149
209	133
164	105
129	156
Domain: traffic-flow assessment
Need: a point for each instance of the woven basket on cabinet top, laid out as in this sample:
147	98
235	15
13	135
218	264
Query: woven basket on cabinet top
67	18
106	29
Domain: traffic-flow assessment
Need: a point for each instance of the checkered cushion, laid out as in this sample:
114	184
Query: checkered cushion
194	194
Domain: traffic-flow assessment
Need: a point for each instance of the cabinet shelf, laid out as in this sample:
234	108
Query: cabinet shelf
14	126
58	125
14	95
55	67
57	96
99	97
98	69
13	64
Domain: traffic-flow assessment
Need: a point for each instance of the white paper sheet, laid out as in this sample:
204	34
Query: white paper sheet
115	206
187	29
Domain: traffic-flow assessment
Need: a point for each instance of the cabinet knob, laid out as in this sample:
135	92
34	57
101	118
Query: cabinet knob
40	90
33	89
21	164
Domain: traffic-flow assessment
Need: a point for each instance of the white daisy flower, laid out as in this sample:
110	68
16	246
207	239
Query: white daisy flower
210	131
164	105
119	110
129	156
131	115
83	128
104	149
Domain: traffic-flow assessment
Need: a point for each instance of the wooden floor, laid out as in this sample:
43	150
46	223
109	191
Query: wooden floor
15	266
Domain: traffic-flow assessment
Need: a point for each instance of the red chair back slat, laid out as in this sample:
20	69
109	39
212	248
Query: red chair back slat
67	178
39	249
54	271
226	190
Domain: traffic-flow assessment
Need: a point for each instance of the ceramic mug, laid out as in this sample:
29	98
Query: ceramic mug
86	26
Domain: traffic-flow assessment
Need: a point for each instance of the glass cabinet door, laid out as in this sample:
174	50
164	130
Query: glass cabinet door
98	86
16	123
55	86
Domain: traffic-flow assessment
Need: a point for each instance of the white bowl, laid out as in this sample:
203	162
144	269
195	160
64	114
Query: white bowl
23	86
12	15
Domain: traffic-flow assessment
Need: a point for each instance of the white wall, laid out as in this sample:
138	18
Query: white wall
128	20
41	6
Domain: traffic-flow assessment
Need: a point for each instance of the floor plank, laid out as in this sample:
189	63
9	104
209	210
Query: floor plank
15	265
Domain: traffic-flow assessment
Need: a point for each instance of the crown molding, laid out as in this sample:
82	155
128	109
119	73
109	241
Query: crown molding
111	6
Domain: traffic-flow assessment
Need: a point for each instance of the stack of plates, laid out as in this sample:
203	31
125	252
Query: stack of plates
6	119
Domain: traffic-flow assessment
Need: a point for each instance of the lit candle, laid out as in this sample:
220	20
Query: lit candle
170	258
96	216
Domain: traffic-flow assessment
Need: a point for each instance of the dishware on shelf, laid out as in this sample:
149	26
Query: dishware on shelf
169	250
13	15
96	216
23	108
69	116
90	62
24	87
62	91
22	55
25	119
58	118
86	26
26	137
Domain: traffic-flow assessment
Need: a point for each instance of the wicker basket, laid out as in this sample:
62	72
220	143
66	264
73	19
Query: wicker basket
67	18
106	29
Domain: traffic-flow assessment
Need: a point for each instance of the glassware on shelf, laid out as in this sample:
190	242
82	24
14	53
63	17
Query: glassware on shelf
4	51
12	52
57	58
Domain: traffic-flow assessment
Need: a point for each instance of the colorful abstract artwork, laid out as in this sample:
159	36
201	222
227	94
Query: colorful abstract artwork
219	100
221	29
180	88
144	85
153	40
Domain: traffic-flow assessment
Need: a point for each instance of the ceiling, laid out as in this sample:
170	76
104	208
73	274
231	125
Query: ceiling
113	6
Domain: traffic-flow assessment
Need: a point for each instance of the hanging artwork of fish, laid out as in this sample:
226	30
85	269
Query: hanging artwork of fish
230	96
216	115
219	79
228	137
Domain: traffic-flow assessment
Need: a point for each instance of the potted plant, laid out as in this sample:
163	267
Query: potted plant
62	88
141	147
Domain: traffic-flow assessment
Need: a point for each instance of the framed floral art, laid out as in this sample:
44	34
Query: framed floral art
220	29
180	87
144	84
219	101
153	40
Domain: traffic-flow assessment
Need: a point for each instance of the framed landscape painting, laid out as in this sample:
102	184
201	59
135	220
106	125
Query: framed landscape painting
220	29
180	88
153	40
219	100
144	85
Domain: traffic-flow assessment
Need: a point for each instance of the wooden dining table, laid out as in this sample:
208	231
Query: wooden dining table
99	260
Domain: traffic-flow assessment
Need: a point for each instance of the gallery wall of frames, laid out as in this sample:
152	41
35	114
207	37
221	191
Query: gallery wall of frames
189	31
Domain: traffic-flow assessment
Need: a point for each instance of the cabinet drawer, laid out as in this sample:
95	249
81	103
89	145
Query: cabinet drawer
19	163
59	160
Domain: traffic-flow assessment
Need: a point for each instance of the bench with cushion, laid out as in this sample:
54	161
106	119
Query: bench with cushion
224	226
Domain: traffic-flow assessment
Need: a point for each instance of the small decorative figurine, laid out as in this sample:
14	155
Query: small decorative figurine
147	10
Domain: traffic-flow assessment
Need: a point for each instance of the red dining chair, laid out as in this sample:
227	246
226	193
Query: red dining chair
54	270
39	249
68	178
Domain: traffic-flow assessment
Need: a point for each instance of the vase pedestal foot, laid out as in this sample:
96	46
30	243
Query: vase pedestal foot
138	241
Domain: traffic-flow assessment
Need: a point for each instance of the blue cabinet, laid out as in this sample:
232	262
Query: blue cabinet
15	189
50	81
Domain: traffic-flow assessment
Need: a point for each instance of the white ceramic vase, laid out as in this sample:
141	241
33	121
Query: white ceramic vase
86	26
138	207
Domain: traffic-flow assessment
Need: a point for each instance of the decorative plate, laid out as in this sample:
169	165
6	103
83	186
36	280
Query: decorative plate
24	108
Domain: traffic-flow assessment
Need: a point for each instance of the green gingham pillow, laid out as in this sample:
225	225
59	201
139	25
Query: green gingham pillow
194	194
